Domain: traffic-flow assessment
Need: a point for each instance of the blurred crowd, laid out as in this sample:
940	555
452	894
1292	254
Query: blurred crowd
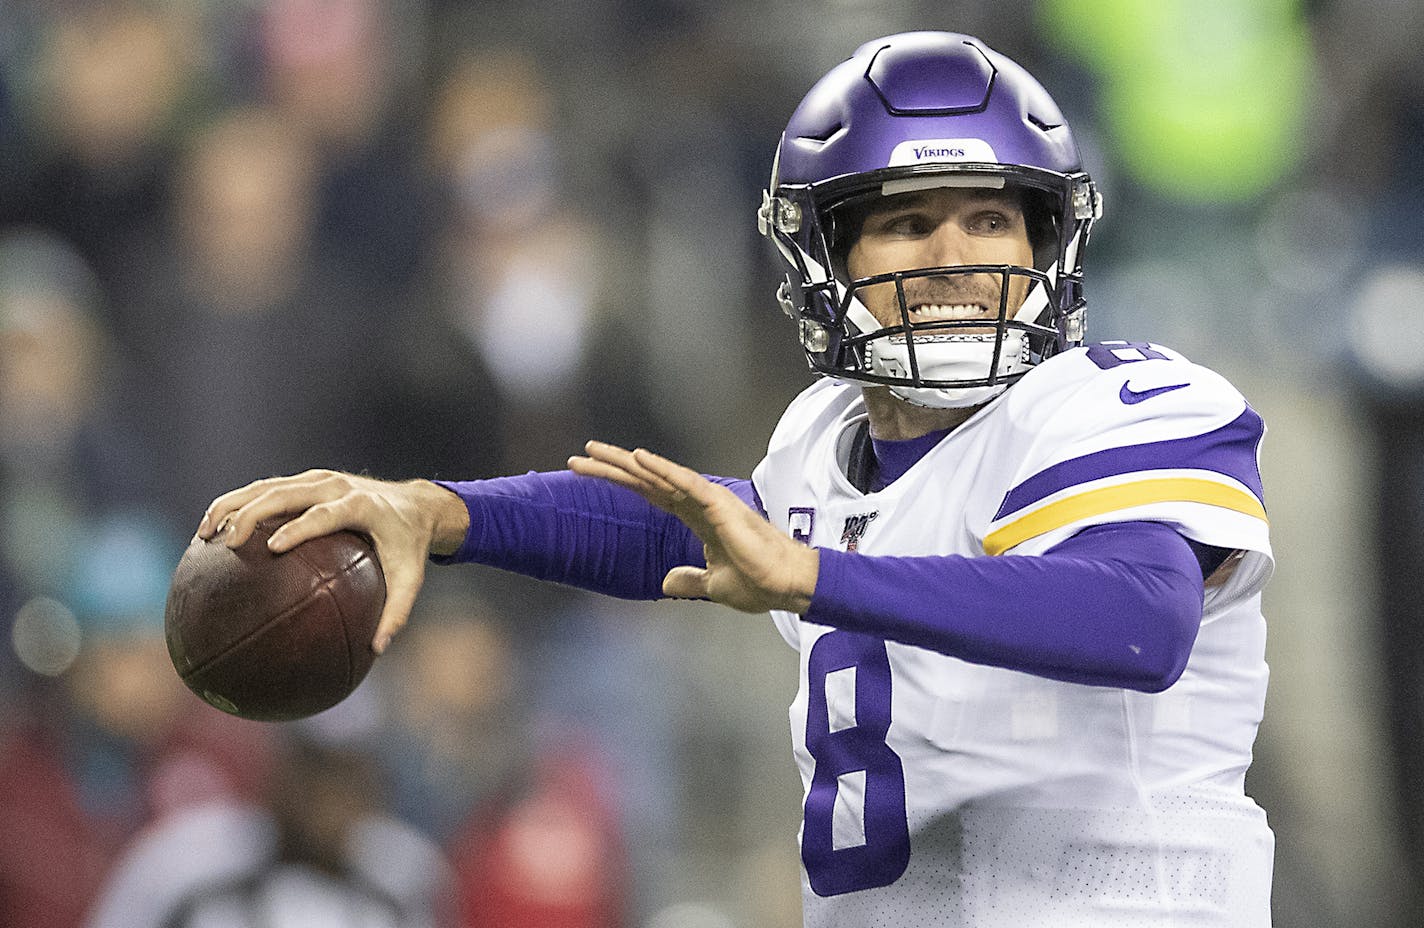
457	239
240	240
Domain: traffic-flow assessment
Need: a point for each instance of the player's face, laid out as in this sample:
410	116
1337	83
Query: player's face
943	227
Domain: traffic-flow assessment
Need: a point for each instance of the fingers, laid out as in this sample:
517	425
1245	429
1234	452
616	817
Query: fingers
677	478
237	513
403	582
216	516
702	505
649	473
590	467
620	457
318	520
619	466
693	498
686	583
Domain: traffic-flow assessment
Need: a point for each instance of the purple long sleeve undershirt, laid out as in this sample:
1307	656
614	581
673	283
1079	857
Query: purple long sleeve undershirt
1115	605
578	531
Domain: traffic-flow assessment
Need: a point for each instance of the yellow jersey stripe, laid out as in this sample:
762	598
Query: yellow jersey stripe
1122	496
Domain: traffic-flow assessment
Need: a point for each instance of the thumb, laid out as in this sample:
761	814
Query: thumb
401	592
686	583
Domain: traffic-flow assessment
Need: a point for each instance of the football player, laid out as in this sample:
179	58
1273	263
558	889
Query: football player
1023	573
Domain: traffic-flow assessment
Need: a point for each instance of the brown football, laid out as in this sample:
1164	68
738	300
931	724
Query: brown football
275	637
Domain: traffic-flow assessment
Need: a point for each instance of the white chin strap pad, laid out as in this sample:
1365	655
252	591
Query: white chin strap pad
947	356
952	357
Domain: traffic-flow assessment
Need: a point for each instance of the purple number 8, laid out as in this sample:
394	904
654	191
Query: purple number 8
855	747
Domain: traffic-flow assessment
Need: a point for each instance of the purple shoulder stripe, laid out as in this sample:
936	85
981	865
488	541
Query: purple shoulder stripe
1229	450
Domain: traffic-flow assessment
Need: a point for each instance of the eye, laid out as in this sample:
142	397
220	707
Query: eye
990	222
905	223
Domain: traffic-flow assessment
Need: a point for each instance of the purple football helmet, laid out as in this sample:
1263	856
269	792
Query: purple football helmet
911	112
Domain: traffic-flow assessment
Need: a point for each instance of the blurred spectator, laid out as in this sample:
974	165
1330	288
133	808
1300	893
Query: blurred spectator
531	824
317	851
525	275
63	457
610	673
544	855
115	743
96	729
142	745
255	350
53	850
105	87
342	72
458	732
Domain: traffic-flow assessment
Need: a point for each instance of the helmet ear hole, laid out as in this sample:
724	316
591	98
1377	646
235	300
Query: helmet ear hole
845	221
1041	220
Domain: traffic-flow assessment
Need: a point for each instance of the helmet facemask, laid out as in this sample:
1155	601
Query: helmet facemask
948	362
943	362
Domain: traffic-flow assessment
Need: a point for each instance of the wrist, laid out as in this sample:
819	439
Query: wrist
807	569
448	515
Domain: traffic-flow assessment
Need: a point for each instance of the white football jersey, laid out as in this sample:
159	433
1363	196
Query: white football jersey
968	795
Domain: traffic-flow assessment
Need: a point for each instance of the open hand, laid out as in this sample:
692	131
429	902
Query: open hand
751	566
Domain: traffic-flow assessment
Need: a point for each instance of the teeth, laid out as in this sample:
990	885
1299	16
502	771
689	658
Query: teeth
948	311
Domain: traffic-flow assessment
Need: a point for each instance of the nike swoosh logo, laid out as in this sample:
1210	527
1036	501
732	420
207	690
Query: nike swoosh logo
1130	396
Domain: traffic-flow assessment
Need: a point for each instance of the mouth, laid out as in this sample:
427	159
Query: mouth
944	312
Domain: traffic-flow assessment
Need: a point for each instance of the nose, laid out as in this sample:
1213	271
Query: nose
945	246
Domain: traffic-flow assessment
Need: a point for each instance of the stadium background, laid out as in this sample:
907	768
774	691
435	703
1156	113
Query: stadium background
442	238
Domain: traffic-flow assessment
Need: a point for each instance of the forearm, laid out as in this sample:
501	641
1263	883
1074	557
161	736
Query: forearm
1112	606
569	529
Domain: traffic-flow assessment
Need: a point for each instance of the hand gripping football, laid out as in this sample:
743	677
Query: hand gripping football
275	637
